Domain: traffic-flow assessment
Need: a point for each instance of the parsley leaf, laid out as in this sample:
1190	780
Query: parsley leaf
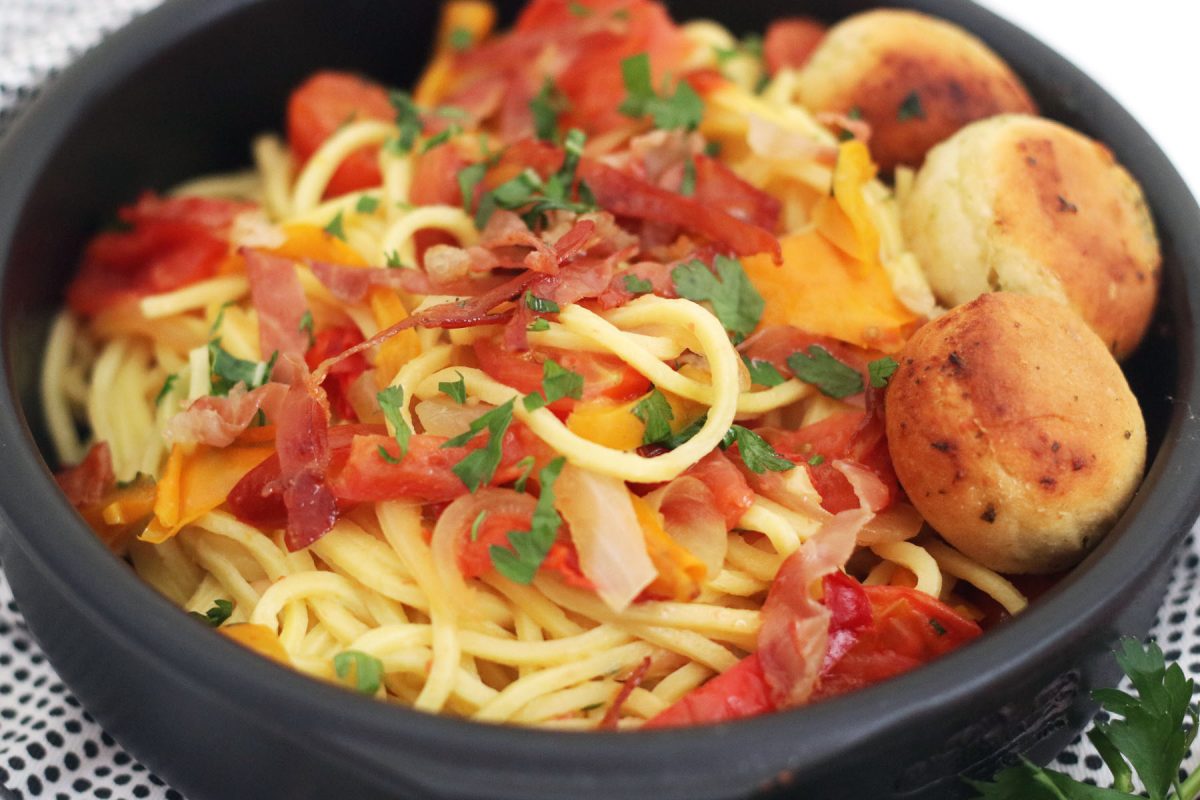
762	373
167	387
221	611
557	382
477	524
447	133
530	548
388	457
687	187
228	370
460	39
822	370
655	412
335	228
220	318
578	9
881	371
684	436
391	400
546	107
541	305
538	325
306	326
816	460
535	196
757	454
636	285
366	204
367	670
392	258
735	301
468	178
526	464
478	467
1149	734
910	108
408	120
684	109
455	390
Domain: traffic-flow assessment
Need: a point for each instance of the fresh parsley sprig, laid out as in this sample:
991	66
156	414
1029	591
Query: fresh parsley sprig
533	196
655	413
734	300
756	452
391	400
1150	736
366	671
683	109
227	370
557	382
480	465
221	611
530	548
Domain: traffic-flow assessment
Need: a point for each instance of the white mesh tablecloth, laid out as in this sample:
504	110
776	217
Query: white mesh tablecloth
49	745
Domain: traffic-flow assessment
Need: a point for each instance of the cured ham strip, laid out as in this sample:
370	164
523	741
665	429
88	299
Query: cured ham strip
218	421
279	300
85	483
302	445
350	285
794	637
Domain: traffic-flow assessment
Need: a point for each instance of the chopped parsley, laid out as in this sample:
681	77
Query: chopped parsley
220	318
366	204
684	436
636	285
408	120
392	258
546	107
910	108
530	548
762	373
221	611
478	467
938	628
712	149
364	670
477	524
335	227
557	382
757	454
538	325
455	390
816	460
306	326
535	196
541	305
228	371
460	39
578	9
687	187
388	457
684	109
391	400
167	387
821	369
526	464
881	371
447	133
468	178
655	412
734	300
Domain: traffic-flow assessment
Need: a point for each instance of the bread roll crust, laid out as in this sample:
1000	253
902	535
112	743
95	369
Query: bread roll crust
1019	203
877	60
1014	432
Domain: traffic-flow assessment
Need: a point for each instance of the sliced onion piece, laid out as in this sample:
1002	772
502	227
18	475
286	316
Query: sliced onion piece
690	516
454	525
606	533
441	416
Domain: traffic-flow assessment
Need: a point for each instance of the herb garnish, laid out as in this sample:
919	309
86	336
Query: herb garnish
832	377
530	548
757	454
655	412
391	400
762	373
221	611
684	109
455	390
478	467
910	108
227	371
735	301
881	371
367	670
557	382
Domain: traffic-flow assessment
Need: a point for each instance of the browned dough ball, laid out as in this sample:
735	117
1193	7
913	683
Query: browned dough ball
914	78
1023	204
1014	432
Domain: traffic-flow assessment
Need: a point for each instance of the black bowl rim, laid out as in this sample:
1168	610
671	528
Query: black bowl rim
131	611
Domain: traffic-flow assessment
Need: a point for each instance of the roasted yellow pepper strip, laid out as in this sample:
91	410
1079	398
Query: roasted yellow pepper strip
679	572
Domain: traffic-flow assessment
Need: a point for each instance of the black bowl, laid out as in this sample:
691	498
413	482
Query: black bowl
181	92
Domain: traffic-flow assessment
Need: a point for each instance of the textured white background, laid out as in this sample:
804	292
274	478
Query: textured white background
1144	53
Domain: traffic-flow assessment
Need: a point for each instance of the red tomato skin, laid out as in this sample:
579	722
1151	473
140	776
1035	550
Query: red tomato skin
790	42
475	558
909	628
327	344
737	693
320	106
729	487
171	242
603	375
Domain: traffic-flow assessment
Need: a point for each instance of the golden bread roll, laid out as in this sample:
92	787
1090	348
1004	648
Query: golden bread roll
1023	204
914	78
1014	432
